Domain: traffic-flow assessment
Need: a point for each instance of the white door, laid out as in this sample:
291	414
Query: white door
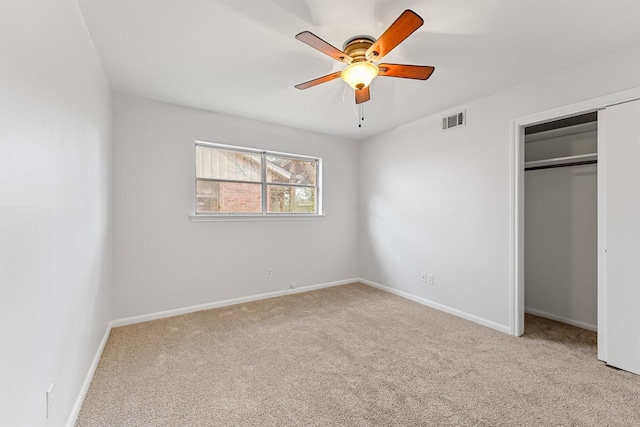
619	155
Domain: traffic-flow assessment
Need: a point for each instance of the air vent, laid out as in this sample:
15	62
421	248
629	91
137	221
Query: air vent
454	121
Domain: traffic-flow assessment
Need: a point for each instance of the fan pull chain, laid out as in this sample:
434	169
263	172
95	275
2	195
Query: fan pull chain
361	115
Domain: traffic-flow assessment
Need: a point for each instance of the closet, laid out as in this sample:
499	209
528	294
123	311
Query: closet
561	224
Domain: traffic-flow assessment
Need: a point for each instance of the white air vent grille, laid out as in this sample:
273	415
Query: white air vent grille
454	121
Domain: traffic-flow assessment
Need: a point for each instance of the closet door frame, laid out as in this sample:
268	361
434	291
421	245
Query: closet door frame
517	208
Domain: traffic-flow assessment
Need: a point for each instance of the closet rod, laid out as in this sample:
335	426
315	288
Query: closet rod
559	162
586	162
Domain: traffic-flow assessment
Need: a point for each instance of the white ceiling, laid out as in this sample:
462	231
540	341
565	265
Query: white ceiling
240	57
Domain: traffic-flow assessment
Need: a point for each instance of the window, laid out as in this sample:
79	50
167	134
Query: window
241	181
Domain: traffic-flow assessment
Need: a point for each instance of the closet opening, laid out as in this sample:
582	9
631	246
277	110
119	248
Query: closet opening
561	223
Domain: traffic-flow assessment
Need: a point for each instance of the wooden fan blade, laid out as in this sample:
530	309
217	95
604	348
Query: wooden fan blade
403	27
315	82
324	47
362	95
419	72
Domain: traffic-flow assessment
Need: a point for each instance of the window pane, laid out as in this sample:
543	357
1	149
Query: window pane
216	163
286	199
228	197
291	171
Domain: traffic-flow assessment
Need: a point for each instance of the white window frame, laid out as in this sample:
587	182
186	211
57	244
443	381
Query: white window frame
264	215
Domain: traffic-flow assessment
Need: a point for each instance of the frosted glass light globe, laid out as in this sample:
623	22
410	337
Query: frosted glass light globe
359	75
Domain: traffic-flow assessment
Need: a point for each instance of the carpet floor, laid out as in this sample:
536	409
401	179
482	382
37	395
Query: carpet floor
352	355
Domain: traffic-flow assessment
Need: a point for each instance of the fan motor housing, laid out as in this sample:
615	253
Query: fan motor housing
356	47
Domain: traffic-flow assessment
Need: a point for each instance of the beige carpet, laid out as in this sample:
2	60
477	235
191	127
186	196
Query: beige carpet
353	356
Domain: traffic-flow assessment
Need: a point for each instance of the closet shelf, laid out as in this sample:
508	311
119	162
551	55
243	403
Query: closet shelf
581	159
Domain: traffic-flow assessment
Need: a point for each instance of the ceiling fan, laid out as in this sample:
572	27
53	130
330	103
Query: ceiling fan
361	54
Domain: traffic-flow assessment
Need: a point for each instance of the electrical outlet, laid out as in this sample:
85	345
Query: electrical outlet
269	273
431	279
293	285
423	277
49	396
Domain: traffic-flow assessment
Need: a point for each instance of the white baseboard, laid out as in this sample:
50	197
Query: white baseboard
224	303
571	322
437	306
87	381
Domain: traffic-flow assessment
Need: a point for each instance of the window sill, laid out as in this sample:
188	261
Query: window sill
244	218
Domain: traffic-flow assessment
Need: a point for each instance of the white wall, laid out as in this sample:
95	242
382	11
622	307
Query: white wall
440	202
561	251
55	226
163	260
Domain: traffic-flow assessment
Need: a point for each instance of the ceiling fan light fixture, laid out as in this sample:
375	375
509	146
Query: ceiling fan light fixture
359	52
359	75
